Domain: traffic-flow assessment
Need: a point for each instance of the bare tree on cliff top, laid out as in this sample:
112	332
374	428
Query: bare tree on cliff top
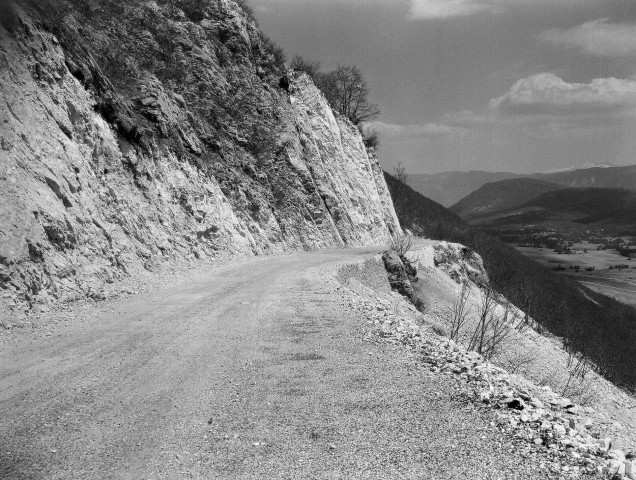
347	92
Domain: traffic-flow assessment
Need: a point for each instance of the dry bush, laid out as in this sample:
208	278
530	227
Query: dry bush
401	243
518	362
578	367
492	328
371	139
301	64
460	313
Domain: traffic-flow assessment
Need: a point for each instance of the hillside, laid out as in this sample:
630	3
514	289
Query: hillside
599	177
596	325
590	205
503	194
417	212
447	188
146	132
608	211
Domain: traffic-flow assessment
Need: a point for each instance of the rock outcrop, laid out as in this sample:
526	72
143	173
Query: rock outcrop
149	130
397	273
461	263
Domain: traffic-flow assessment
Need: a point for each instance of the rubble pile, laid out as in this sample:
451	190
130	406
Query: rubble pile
538	420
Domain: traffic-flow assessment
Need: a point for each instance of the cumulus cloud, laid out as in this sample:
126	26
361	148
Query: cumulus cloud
547	94
428	130
597	38
467	118
429	9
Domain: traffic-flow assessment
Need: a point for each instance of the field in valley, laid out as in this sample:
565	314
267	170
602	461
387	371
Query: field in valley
614	282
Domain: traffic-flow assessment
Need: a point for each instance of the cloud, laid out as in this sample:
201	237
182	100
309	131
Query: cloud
428	130
442	9
427	9
547	94
597	38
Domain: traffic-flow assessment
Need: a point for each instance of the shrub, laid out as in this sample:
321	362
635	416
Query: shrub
277	52
371	139
401	243
300	64
249	11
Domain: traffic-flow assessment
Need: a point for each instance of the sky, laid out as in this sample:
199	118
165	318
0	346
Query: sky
497	85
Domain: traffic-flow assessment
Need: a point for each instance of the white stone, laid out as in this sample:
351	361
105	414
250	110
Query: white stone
559	429
616	467
604	443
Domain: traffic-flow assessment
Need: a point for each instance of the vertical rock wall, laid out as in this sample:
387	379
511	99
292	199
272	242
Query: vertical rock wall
115	156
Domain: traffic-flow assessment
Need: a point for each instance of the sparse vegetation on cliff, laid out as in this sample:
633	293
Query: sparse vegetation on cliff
345	89
597	326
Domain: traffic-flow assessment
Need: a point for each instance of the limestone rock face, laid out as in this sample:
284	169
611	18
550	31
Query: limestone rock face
149	132
460	262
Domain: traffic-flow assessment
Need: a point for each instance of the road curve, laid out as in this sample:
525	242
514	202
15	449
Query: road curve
252	370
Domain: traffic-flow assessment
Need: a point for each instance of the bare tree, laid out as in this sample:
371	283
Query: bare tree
347	92
518	362
460	312
492	328
401	243
578	366
399	172
400	195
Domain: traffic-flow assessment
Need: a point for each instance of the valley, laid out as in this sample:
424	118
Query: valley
587	233
595	269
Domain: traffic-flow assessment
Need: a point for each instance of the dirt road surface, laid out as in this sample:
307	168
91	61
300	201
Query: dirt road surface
251	370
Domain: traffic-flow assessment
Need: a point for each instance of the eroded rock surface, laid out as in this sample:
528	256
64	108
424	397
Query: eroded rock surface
147	132
460	262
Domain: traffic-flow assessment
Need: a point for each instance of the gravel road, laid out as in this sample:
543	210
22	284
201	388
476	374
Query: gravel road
253	370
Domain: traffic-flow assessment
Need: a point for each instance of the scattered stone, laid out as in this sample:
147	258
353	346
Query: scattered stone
551	425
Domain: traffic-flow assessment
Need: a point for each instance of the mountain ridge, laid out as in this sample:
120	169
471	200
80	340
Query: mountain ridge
448	188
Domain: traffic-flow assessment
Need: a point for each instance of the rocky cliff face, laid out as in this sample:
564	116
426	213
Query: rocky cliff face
131	132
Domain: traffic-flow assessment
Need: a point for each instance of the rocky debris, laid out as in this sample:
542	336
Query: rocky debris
534	419
197	155
460	262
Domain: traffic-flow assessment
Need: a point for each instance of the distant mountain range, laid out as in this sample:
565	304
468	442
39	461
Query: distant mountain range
448	188
580	167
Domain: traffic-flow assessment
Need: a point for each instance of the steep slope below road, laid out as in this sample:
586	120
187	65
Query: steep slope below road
256	370
152	130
